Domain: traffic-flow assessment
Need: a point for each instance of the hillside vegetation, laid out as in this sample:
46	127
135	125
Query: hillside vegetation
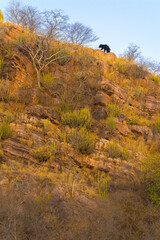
80	142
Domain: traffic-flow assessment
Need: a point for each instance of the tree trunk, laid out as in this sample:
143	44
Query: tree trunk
38	76
38	79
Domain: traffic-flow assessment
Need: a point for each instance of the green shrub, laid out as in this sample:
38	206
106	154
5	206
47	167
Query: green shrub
103	184
47	81
9	117
82	140
116	151
151	170
44	153
1	16
77	118
134	119
155	78
111	124
5	129
114	110
63	107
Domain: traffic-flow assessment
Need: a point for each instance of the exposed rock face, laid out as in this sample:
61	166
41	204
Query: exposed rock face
101	98
152	103
19	146
99	113
113	90
123	128
44	112
144	131
16	150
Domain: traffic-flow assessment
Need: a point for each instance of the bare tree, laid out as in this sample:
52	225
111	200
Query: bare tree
152	66
13	12
79	33
41	51
132	53
31	18
55	23
26	16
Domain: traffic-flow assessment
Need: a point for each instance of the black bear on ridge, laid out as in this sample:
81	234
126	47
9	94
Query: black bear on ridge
105	47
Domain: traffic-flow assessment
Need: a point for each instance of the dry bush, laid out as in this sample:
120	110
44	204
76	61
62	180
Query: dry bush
111	124
5	129
82	140
77	118
114	110
116	151
45	152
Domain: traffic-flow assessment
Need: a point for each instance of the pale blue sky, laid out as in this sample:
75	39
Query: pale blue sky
116	22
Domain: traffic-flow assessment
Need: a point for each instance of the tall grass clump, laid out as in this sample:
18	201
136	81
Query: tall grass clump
77	118
114	110
46	125
44	153
111	124
103	184
82	140
116	151
5	129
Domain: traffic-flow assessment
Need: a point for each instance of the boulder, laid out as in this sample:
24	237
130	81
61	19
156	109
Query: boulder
152	103
101	98
112	89
144	131
123	128
44	112
99	113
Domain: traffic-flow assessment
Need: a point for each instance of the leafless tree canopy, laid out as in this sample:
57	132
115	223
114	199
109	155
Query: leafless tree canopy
41	52
30	18
132	53
26	16
81	34
13	12
55	23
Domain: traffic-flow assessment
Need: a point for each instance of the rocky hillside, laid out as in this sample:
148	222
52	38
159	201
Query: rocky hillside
74	151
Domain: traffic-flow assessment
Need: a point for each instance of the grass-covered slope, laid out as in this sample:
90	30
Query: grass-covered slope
79	154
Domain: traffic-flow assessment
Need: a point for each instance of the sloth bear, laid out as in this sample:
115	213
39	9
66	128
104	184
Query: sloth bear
105	47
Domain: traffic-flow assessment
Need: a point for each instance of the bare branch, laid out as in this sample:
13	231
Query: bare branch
79	33
41	52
